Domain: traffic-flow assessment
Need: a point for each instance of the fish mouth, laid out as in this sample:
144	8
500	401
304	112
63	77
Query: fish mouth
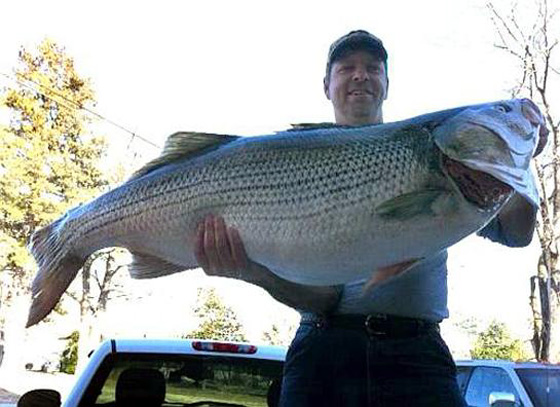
478	187
532	113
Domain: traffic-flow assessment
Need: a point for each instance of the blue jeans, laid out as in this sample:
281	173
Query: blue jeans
338	367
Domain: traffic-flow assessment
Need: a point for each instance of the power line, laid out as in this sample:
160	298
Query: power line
78	106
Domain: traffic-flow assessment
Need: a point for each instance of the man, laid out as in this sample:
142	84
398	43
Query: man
378	349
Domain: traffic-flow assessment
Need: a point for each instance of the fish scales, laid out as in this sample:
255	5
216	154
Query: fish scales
329	179
319	206
329	171
311	196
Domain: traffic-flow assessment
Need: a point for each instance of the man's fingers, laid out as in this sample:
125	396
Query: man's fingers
210	249
199	252
222	244
239	256
219	249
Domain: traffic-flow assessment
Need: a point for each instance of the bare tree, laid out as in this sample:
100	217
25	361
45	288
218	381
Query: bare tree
527	35
99	285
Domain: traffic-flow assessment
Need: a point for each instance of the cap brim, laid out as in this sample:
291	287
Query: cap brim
374	47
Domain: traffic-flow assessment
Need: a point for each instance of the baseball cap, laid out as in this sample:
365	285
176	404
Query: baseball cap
356	40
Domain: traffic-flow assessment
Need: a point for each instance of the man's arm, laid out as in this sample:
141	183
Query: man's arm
220	252
514	225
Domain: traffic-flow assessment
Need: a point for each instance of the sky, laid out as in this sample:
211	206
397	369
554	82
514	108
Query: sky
253	67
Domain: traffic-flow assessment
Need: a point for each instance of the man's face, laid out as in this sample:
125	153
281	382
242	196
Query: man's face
357	87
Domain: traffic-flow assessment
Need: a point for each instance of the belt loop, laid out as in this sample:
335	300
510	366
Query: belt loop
318	321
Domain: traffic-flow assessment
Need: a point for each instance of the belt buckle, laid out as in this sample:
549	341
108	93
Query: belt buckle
371	321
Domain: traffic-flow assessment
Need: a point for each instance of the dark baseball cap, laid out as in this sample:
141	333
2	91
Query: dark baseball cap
356	41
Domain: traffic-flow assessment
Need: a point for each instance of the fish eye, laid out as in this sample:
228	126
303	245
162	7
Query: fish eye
503	108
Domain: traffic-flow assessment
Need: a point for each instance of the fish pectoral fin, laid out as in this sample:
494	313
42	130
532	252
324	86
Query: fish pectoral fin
182	145
147	266
406	206
385	273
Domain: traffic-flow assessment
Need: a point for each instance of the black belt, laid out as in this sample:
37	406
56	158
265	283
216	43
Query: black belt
377	325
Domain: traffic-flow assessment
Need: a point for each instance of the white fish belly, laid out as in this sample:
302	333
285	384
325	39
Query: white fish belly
352	246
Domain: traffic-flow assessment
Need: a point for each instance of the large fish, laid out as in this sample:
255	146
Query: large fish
317	206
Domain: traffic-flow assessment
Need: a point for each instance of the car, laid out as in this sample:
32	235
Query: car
507	383
43	363
186	372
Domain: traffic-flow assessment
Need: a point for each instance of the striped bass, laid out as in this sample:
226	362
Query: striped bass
320	206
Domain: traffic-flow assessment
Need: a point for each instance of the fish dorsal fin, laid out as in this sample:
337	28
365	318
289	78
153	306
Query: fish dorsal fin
183	145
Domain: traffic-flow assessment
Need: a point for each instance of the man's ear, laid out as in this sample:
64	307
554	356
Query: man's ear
326	87
386	90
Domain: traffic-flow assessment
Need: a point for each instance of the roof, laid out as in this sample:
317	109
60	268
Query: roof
185	346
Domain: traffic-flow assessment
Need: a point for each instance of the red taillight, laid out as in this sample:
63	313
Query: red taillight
224	347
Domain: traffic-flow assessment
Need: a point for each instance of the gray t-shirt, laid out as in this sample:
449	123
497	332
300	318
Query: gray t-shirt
421	292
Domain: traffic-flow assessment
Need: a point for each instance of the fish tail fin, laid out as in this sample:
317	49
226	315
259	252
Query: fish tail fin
57	268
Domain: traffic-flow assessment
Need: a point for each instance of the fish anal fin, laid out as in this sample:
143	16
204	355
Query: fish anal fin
410	205
181	145
145	266
388	272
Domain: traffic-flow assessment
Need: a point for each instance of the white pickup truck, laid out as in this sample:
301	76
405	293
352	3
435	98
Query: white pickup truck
202	373
143	372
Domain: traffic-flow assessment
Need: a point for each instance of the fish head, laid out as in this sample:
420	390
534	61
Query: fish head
487	150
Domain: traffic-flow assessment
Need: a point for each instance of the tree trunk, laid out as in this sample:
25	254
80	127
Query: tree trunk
542	318
546	324
86	342
85	339
537	320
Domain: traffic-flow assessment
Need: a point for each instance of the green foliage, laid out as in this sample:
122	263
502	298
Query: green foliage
48	161
496	343
69	357
272	336
279	334
217	321
469	325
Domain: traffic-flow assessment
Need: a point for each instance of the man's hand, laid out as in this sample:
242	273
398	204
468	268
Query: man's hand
219	250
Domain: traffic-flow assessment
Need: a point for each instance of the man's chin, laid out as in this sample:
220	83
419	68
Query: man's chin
362	109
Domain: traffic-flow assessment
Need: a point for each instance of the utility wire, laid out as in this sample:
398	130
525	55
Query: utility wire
77	105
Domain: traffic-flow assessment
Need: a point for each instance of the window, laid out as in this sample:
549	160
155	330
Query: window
543	386
463	374
187	379
486	380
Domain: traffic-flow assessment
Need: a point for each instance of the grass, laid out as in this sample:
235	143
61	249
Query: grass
181	394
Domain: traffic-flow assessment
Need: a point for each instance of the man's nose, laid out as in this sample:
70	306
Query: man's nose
360	74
